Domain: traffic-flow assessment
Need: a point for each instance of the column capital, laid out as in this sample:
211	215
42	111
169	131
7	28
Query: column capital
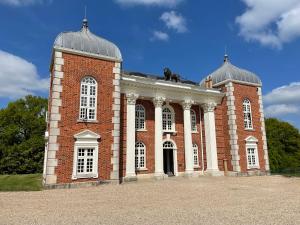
209	107
158	101
131	98
187	104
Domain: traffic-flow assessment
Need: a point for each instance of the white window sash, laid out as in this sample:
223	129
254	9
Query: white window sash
87	108
85	145
139	157
168	123
255	154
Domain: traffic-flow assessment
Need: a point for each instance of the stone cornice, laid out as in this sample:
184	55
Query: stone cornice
150	88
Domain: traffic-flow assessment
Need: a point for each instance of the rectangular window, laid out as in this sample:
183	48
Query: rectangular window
85	160
196	157
252	157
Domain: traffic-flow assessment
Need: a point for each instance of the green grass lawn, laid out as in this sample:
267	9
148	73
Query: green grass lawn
26	182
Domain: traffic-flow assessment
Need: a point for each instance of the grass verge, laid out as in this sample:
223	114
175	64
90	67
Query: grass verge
26	182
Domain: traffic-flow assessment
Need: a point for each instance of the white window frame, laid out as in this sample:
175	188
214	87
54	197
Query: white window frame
251	143
195	156
172	119
193	121
139	156
140	121
86	140
247	113
89	82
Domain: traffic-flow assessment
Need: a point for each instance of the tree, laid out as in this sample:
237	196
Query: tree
283	144
22	128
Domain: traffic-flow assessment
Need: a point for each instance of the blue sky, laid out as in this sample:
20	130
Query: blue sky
187	36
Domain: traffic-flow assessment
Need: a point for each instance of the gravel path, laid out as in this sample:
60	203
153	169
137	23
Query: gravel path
205	200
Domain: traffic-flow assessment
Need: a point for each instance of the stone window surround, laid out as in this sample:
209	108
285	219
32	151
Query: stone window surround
86	139
251	142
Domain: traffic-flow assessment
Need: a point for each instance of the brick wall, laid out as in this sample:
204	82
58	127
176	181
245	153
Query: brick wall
241	92
75	68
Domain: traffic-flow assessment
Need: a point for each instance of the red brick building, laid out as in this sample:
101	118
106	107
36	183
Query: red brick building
108	125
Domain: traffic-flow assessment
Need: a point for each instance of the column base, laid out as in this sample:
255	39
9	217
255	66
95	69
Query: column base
213	173
130	178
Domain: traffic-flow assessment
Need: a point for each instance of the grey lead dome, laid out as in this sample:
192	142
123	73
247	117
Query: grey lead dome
87	42
230	72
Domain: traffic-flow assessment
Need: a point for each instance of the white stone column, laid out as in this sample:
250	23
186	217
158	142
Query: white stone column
130	141
159	155
188	146
210	139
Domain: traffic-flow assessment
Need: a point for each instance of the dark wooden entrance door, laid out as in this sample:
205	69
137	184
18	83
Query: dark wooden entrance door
168	162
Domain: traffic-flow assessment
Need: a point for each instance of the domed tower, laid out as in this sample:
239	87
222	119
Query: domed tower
84	110
243	118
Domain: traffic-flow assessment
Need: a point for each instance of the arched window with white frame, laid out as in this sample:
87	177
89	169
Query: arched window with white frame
193	121
140	117
247	114
88	98
168	119
140	155
196	155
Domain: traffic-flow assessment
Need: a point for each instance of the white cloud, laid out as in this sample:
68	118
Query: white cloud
159	35
281	109
175	21
23	2
270	22
167	3
19	77
283	100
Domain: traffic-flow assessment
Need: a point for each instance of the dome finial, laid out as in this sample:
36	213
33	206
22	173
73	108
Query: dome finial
85	21
226	57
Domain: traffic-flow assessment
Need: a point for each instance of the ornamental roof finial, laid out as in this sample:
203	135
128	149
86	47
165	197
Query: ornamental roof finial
85	21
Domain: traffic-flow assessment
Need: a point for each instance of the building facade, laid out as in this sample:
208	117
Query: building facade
108	125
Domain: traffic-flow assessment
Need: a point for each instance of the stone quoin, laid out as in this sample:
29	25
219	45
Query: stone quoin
108	125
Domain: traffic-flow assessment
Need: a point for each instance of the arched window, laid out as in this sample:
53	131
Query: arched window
168	119
88	98
140	117
247	114
193	121
140	155
168	145
196	157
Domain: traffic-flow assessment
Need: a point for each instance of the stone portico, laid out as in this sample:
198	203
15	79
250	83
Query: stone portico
162	92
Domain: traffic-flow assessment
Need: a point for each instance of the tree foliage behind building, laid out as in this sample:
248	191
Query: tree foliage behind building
22	127
283	144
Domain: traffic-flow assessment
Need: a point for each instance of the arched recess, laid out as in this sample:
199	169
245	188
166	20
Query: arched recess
174	147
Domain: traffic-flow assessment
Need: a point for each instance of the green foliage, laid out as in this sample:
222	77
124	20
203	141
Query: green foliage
284	145
22	127
28	182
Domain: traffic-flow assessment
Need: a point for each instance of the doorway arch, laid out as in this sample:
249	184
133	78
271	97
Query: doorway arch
170	158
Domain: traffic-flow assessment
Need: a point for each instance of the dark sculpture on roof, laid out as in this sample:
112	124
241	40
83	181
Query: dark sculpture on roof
169	76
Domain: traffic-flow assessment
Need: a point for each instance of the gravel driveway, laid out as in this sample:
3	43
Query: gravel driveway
205	200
